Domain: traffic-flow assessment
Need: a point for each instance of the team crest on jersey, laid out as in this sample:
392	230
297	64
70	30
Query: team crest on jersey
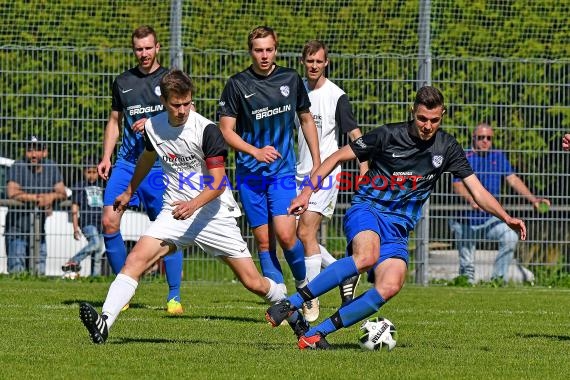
157	90
284	90
437	161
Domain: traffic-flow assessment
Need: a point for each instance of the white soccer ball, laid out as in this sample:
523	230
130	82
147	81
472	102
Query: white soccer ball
377	334
70	275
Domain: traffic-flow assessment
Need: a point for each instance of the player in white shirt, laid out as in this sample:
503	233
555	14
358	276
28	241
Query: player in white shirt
198	205
333	116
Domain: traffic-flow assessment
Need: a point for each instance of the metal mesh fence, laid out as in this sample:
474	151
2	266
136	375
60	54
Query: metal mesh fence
56	73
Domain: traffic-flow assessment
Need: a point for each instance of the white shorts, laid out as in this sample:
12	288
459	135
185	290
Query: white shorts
324	200
217	236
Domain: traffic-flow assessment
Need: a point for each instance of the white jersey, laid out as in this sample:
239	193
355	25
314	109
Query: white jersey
183	152
332	114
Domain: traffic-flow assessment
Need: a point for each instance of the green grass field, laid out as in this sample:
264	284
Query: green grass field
443	333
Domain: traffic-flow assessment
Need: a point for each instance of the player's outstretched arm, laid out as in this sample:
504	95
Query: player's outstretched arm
460	189
299	204
487	202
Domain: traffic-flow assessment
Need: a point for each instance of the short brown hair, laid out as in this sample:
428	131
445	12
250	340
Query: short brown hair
142	32
313	46
430	97
261	32
176	81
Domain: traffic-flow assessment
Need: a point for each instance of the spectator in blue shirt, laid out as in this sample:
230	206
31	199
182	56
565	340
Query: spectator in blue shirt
491	167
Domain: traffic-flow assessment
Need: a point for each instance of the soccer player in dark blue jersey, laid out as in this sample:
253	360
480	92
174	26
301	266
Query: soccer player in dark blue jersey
405	161
257	117
136	97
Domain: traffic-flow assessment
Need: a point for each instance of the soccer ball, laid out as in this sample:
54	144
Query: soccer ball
377	334
70	275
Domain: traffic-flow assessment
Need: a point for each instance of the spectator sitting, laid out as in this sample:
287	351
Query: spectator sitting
37	183
490	166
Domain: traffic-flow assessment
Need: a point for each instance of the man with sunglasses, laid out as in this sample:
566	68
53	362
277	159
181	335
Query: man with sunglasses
491	167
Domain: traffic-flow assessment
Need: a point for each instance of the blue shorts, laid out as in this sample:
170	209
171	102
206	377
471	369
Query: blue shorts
263	198
392	229
149	191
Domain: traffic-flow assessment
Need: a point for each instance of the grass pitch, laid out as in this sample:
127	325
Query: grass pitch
443	333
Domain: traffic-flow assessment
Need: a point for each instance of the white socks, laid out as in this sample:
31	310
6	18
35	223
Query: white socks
326	258
121	291
275	292
313	265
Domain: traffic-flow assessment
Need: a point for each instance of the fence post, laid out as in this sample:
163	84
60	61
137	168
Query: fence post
176	54
424	78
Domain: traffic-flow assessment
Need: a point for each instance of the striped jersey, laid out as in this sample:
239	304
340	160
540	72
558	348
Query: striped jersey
403	169
137	96
333	116
265	109
184	154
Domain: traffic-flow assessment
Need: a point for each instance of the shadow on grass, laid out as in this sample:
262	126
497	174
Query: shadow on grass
156	340
132	306
99	304
547	336
263	346
217	318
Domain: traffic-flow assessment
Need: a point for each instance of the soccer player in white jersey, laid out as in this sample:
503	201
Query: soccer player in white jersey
198	207
333	116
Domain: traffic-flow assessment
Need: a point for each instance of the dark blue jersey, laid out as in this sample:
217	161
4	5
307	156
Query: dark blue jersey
137	96
265	108
403	169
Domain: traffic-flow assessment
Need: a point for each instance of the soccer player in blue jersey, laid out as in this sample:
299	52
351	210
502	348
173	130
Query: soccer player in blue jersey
257	118
406	159
136	97
471	226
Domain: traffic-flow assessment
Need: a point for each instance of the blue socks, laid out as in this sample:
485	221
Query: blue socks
330	277
352	312
270	266
116	251
361	307
296	259
173	268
